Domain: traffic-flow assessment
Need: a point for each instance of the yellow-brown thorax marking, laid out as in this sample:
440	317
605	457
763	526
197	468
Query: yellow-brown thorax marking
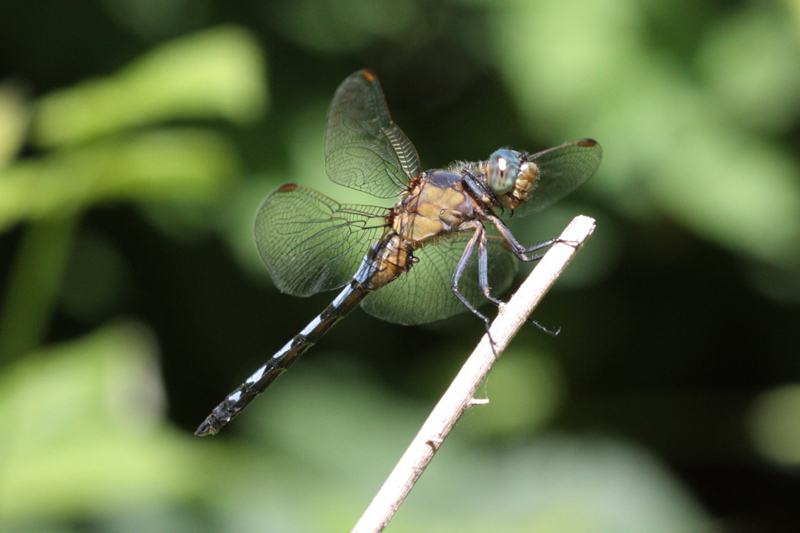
434	206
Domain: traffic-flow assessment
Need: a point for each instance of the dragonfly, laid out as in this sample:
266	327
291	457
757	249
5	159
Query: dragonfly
428	257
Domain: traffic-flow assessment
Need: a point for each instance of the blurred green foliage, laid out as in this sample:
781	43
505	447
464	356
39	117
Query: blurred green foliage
215	74
138	138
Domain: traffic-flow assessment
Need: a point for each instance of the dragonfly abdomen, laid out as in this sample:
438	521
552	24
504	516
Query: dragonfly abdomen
240	398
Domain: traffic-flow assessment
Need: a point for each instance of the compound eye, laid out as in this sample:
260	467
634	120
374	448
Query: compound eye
502	171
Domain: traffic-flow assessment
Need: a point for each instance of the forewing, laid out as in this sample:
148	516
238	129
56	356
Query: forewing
310	243
561	170
423	294
364	149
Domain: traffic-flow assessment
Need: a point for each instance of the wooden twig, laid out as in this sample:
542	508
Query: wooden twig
460	396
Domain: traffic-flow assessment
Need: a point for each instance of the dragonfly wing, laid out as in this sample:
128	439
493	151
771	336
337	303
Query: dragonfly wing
364	149
423	294
311	243
561	170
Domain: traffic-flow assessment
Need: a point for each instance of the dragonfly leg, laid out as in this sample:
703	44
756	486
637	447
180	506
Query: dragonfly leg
461	267
539	246
520	251
480	188
483	268
479	236
551	332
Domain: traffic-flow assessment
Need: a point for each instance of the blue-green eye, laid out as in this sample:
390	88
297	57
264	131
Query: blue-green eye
502	171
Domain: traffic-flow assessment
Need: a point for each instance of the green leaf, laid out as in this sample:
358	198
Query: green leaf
176	164
14	117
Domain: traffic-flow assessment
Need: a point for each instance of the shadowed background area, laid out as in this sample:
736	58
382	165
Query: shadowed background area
137	139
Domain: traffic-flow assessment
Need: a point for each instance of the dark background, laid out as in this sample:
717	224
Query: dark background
137	140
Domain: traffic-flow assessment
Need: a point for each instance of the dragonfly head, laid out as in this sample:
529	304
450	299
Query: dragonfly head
502	170
511	177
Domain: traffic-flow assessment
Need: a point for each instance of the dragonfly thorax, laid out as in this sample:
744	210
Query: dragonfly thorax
435	204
